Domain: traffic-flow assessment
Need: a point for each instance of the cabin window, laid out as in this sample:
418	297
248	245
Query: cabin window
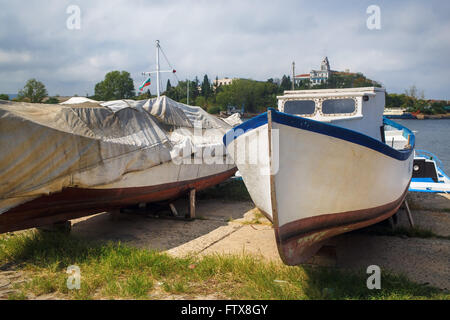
299	106
338	106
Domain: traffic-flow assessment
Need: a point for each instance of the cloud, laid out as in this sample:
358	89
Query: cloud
14	57
251	39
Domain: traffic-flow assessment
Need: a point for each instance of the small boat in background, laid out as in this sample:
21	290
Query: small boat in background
321	166
427	175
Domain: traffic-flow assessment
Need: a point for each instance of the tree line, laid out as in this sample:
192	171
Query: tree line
413	100
243	94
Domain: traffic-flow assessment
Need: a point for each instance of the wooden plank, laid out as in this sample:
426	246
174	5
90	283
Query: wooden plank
173	210
191	214
408	212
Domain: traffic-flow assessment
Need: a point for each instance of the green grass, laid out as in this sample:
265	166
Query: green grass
17	296
118	271
229	190
258	219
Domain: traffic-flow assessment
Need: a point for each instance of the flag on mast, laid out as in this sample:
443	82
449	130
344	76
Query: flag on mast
145	84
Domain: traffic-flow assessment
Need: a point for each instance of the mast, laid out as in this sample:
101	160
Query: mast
157	68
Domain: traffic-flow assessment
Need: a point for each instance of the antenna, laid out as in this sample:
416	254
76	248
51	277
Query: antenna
293	75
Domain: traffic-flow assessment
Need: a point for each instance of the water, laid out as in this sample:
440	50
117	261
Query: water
432	136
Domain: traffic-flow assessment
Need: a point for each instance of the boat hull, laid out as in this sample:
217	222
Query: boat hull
324	180
72	203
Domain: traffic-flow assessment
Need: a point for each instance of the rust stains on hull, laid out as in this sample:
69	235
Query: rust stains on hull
299	240
72	203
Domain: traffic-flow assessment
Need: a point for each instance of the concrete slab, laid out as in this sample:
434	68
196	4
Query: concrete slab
424	261
162	234
436	221
428	201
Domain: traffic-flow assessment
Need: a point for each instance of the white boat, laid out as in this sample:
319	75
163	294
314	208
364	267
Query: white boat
320	166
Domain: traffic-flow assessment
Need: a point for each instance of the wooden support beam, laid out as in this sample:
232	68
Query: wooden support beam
191	213
173	210
408	212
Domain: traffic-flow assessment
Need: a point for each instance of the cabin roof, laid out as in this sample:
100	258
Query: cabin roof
331	92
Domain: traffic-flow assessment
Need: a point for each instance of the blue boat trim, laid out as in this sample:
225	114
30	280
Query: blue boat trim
428	191
425	180
248	125
326	129
406	131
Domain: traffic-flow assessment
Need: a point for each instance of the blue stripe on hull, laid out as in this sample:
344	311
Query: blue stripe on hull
325	129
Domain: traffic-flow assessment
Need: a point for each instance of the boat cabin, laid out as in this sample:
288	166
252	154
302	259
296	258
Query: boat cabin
359	109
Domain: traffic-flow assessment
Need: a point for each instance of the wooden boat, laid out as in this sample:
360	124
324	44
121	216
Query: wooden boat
162	183
322	166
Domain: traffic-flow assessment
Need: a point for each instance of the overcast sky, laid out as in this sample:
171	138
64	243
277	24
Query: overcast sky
248	39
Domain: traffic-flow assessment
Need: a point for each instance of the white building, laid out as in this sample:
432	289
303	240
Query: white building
317	76
223	82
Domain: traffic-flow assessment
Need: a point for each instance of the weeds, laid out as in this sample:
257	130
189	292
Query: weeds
118	271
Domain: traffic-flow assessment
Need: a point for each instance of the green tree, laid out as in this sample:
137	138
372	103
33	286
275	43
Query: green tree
4	97
144	96
193	91
201	102
206	87
168	85
254	96
286	83
116	85
34	91
52	100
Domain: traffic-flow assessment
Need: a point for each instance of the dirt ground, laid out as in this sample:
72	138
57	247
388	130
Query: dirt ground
230	227
234	227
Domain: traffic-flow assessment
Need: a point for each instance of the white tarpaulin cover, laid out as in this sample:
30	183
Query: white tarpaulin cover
44	148
234	119
78	100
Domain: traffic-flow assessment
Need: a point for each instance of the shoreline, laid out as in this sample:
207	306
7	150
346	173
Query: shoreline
419	117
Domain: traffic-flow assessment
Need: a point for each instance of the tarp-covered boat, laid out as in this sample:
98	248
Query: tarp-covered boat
59	162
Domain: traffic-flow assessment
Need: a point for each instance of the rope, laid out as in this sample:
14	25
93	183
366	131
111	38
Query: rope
167	60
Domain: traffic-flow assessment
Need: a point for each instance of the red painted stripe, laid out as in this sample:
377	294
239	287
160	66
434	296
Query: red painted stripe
298	240
73	203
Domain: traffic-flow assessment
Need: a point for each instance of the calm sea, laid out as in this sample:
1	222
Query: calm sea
432	136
